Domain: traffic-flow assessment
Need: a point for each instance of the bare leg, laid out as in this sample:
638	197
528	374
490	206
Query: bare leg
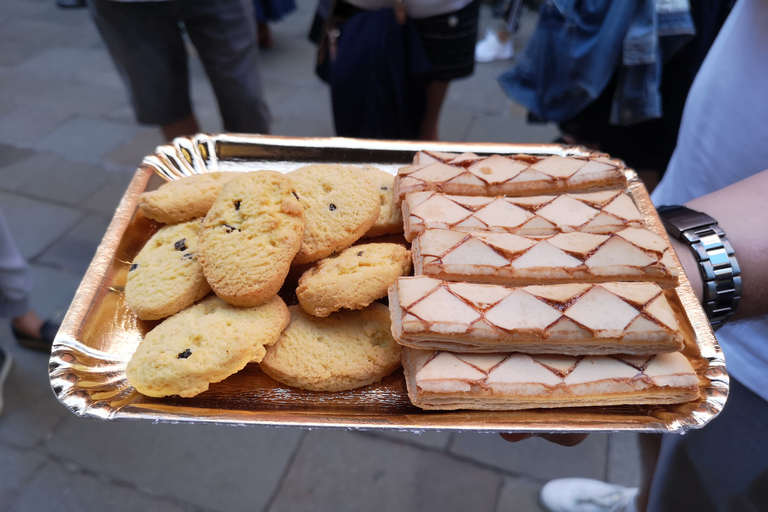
184	126
650	445
28	323
435	97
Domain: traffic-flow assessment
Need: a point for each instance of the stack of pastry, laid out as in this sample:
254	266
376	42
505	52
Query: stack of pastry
537	285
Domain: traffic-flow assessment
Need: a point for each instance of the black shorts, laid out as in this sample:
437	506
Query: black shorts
450	40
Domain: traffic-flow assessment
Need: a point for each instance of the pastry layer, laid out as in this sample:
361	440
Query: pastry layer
603	212
505	258
470	174
573	319
511	381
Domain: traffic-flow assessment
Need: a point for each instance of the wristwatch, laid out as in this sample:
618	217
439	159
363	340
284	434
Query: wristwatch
717	264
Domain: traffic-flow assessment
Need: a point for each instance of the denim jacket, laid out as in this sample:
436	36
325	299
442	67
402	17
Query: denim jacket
579	44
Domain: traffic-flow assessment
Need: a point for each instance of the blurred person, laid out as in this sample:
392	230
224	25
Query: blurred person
146	42
718	168
418	48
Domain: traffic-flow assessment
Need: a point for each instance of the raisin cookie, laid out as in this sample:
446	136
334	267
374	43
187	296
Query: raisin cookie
352	279
390	221
344	351
184	199
203	344
341	204
166	277
250	237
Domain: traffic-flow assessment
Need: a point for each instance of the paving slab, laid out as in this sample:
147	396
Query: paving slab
87	140
535	457
16	468
348	471
51	177
624	467
31	411
77	99
74	251
519	495
27	124
9	155
53	290
130	154
58	488
511	129
433	440
217	468
35	224
105	199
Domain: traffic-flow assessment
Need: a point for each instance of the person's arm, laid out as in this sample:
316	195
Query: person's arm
741	210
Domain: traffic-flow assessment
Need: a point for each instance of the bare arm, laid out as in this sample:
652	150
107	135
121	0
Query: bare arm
741	210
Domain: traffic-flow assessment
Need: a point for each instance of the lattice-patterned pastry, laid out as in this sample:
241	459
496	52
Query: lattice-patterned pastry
602	212
573	319
513	175
512	381
504	258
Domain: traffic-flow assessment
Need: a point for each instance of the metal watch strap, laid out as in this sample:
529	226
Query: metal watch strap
717	264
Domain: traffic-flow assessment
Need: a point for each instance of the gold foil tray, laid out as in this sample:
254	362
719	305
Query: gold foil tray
99	332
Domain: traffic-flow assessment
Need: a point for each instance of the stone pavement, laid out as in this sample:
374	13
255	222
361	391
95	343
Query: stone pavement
68	147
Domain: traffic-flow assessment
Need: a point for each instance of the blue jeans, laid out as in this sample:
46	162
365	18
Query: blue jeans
721	467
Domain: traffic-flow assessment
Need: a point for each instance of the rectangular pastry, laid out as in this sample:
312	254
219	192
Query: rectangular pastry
504	258
606	211
572	319
513	381
512	175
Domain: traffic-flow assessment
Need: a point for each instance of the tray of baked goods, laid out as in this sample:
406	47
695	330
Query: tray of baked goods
331	282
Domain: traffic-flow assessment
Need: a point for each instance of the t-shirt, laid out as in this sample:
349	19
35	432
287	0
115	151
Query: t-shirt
723	139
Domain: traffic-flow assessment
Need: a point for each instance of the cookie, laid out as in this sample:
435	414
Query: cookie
352	279
204	344
250	237
166	277
390	221
344	351
184	199
341	204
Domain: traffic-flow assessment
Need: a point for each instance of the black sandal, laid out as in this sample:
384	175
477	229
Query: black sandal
42	343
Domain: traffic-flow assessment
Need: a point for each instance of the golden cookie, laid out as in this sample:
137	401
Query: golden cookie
203	344
165	277
352	279
340	203
390	221
250	237
344	351
184	199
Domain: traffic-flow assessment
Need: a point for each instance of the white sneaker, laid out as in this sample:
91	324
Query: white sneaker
490	48
585	495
